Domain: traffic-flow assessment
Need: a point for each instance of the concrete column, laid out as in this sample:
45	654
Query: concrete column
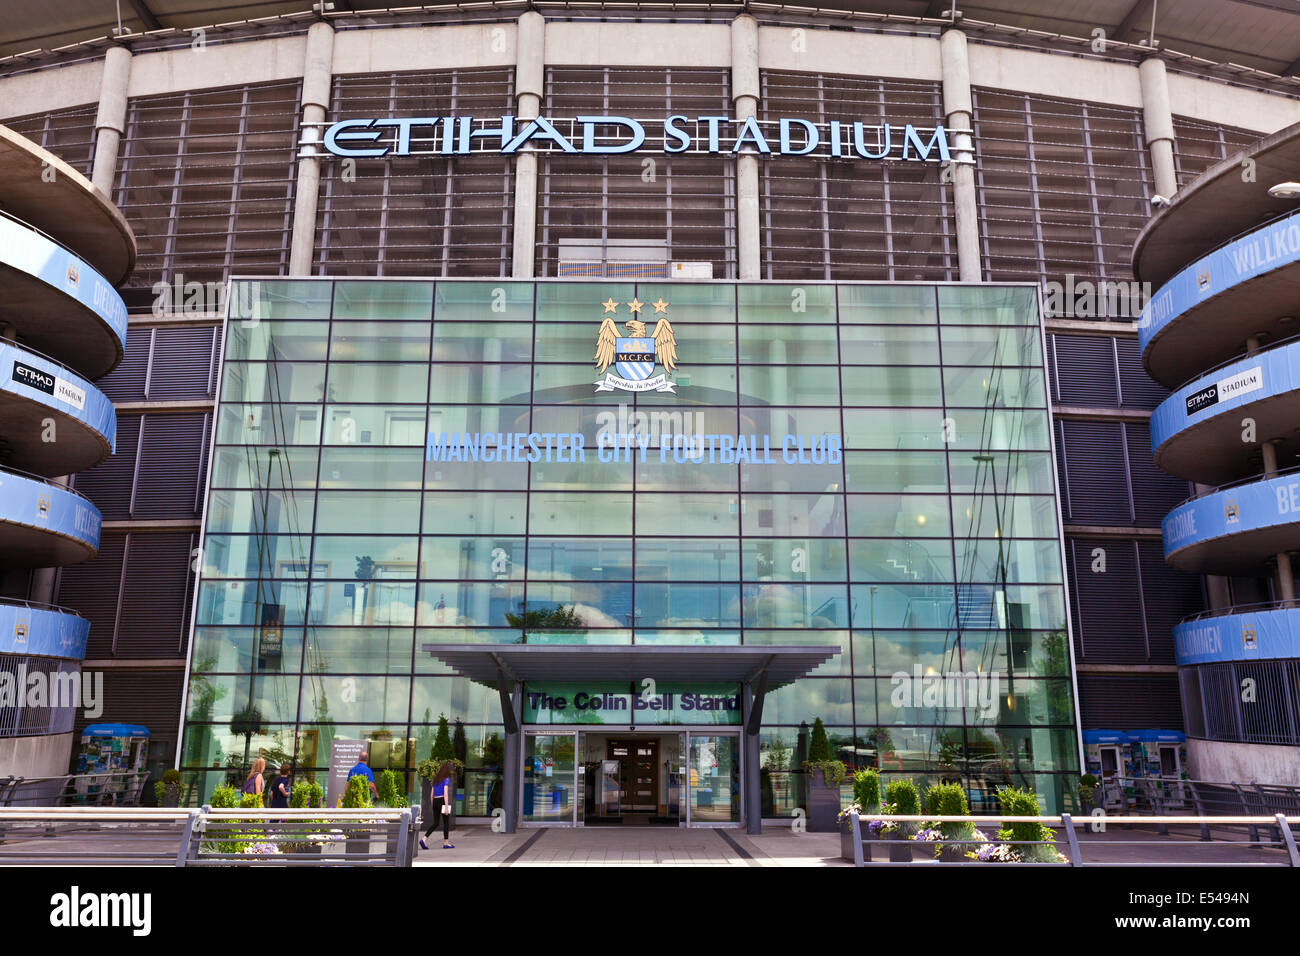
1269	450
749	761
317	73
744	93
110	121
1252	343
1285	577
958	114
530	80
1158	121
513	762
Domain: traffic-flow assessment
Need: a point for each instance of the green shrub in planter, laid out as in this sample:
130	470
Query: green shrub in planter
357	795
949	800
902	796
224	797
866	790
167	791
300	795
1087	790
1024	803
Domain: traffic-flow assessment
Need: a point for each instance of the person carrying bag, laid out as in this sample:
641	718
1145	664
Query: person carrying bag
444	792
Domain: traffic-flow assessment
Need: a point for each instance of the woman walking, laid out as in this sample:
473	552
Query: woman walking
255	782
444	793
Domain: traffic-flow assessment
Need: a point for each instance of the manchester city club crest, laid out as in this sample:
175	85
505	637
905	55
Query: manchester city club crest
635	355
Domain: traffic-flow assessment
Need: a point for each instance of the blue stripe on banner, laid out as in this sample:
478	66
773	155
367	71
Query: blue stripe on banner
34	504
1249	507
1252	255
42	633
1257	635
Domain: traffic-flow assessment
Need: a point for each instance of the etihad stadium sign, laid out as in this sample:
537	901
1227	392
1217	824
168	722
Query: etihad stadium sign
605	135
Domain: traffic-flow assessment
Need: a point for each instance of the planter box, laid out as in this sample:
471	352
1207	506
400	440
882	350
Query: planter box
846	840
823	804
953	852
900	847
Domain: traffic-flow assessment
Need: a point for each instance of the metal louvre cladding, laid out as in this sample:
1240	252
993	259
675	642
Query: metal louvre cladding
689	201
831	219
418	215
397	465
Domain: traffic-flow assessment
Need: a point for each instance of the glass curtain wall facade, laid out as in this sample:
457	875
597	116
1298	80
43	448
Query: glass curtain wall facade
928	548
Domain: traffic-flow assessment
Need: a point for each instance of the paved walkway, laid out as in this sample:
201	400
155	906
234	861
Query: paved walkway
780	846
632	846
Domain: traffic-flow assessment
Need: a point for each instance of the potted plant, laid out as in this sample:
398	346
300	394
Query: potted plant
866	802
441	752
307	794
357	797
900	798
389	793
824	776
167	791
1087	793
1033	842
955	840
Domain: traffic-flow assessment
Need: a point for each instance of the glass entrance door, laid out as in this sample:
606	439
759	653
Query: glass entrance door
550	778
713	778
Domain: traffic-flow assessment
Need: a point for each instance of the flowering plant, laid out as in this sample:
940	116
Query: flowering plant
928	834
261	849
874	826
997	853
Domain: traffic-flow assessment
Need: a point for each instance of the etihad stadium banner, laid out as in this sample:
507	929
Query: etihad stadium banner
1258	377
33	503
42	633
28	251
1239	637
41	380
1246	258
604	135
1249	507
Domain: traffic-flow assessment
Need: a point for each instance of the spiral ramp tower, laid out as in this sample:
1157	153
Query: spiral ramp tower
1222	331
64	247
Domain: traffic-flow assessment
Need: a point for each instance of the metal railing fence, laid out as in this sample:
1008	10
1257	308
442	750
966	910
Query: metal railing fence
120	788
917	840
73	836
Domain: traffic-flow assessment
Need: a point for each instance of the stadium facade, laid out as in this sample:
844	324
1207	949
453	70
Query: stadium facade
891	258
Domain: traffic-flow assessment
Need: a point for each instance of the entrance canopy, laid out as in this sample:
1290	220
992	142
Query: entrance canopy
495	665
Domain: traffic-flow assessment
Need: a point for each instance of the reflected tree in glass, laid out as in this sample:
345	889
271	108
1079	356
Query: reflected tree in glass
558	618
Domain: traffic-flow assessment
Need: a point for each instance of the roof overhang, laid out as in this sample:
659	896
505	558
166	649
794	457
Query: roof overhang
497	665
1216	206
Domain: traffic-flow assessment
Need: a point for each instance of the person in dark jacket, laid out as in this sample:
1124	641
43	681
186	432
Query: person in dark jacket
281	787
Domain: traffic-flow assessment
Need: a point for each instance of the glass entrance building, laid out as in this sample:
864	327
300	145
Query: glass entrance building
633	539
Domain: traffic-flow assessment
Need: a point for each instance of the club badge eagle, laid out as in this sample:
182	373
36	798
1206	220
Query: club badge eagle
635	355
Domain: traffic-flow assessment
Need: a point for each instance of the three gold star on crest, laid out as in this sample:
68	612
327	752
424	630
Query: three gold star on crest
634	306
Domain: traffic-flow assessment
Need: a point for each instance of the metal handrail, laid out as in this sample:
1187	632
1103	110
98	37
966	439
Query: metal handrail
5	469
1248	480
862	838
1229	241
1246	354
49	358
38	606
1241	609
316	836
